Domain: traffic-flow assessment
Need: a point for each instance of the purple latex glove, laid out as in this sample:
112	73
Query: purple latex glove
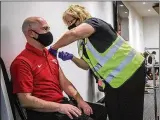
65	56
53	52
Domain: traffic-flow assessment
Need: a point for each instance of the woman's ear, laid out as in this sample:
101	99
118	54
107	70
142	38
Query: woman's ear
78	22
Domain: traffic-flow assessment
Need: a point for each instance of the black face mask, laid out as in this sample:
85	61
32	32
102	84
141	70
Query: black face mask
45	39
73	25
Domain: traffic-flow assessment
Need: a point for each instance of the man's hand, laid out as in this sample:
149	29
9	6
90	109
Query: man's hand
53	51
65	56
85	107
69	110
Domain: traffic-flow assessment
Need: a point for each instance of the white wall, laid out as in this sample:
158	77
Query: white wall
135	29
151	33
13	41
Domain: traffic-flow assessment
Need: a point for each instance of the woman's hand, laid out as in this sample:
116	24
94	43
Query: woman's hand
65	56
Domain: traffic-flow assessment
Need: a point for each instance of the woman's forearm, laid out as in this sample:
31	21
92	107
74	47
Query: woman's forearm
80	63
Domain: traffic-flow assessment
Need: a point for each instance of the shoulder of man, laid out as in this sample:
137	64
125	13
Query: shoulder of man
22	57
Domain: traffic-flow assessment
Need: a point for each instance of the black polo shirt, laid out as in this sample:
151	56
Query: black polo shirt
103	36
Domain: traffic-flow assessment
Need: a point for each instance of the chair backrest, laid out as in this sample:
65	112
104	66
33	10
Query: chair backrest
14	102
20	110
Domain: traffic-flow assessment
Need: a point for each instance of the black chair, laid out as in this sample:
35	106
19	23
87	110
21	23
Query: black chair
14	102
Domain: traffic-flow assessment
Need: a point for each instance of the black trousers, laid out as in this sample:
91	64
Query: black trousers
99	113
126	102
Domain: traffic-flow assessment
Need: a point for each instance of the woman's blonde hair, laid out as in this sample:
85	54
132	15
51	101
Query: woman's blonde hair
76	11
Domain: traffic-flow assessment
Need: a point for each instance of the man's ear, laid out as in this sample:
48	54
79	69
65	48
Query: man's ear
31	33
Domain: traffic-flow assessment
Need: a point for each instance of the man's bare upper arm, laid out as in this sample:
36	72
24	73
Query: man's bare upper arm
62	78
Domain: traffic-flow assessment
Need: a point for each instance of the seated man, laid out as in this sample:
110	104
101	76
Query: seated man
39	82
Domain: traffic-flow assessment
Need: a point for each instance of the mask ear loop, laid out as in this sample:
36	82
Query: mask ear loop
33	30
75	21
36	33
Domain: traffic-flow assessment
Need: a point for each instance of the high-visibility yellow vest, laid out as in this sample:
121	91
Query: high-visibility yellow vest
116	65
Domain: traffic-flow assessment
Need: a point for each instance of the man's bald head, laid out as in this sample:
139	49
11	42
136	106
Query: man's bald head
37	32
32	23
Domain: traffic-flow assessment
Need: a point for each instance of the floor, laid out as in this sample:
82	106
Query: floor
149	112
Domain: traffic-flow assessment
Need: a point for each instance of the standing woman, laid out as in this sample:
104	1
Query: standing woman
118	67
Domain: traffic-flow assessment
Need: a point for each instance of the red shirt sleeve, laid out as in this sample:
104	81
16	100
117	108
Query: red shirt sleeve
21	76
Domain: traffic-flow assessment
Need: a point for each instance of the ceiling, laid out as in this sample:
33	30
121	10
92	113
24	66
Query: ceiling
123	12
144	8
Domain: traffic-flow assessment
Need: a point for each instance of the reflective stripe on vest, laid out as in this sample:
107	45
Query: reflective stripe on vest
80	44
116	64
104	58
